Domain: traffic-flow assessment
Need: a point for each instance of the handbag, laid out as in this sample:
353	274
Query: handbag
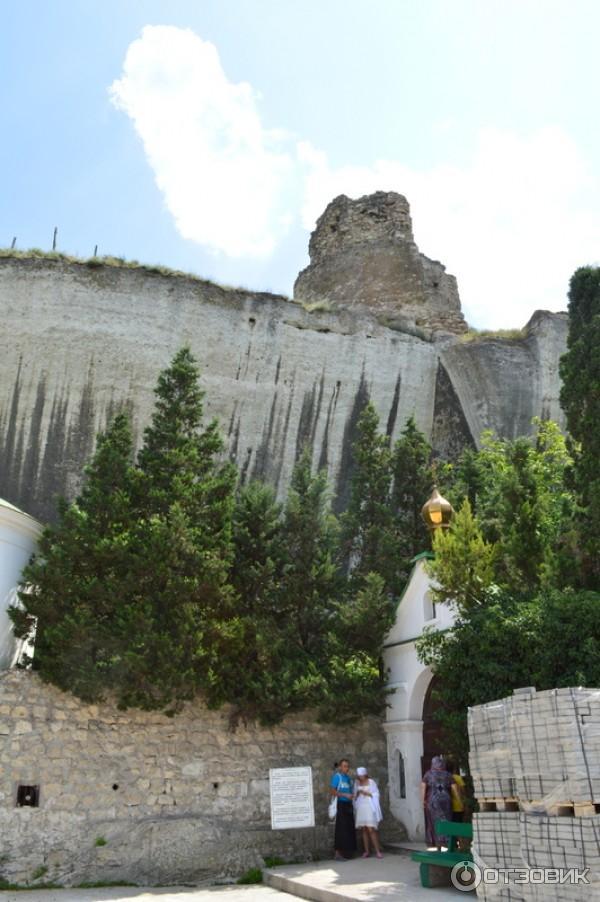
332	808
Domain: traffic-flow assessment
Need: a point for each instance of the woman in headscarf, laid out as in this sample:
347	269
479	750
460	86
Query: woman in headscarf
437	791
367	811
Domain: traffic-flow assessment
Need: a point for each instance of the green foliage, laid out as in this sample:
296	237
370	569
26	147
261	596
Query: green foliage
322	306
569	638
253	875
502	334
310	581
273	861
550	640
79	577
39	872
412	482
100	841
131	591
463	567
506	569
184	611
288	581
523	507
311	637
107	261
364	618
580	399
369	540
489	652
355	678
158	584
258	551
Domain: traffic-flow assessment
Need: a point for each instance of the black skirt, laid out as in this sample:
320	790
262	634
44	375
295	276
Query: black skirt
345	831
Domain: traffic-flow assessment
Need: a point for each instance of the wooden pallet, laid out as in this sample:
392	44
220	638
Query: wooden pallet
563	809
498	804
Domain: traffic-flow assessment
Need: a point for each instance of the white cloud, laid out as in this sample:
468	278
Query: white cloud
221	172
512	222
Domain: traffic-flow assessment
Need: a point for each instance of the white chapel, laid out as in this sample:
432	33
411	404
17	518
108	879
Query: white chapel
19	534
411	727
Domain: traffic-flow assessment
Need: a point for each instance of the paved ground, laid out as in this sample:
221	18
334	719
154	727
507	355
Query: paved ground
141	894
393	879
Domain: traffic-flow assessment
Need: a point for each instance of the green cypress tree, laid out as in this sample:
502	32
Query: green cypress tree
257	539
463	567
412	483
79	575
186	634
289	589
463	478
580	399
310	582
256	690
518	490
355	682
369	536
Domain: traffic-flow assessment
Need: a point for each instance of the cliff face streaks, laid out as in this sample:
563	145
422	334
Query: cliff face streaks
76	348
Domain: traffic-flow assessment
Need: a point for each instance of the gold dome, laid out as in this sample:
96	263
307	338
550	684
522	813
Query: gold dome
437	512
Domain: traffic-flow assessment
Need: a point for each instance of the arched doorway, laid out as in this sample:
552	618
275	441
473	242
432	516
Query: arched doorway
432	731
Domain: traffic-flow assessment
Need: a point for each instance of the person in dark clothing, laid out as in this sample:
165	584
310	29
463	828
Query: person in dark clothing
437	791
342	787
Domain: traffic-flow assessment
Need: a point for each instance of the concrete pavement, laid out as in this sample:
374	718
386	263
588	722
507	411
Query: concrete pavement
395	877
143	894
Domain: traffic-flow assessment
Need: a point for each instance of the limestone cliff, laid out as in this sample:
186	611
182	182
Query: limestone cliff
80	342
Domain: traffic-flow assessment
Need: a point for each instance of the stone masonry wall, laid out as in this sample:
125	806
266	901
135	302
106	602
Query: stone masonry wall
363	255
141	797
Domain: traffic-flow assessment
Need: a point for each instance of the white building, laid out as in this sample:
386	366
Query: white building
19	534
411	727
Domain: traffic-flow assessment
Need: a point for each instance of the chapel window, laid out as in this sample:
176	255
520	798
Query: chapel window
429	611
401	776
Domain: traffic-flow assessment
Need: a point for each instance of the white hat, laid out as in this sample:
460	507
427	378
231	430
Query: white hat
361	771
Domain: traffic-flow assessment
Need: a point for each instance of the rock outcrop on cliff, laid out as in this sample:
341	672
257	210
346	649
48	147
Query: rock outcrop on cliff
79	343
363	255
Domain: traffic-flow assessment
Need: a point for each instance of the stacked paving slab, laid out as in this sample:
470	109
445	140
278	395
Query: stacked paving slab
535	762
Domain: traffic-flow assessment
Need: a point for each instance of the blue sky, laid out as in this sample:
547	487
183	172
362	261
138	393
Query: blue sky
208	135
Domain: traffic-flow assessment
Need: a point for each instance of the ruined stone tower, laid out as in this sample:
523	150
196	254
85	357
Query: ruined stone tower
363	255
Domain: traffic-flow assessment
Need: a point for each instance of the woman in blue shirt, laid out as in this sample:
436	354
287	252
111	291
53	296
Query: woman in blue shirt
342	786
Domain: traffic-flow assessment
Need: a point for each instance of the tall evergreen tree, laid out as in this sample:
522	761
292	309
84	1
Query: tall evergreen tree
77	579
187	631
134	591
580	399
463	567
412	483
258	552
288	594
517	490
256	690
310	581
369	536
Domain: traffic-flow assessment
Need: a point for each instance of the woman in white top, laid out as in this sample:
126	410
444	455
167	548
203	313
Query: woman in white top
367	811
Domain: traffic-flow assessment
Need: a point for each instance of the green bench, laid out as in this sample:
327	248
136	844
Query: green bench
453	831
